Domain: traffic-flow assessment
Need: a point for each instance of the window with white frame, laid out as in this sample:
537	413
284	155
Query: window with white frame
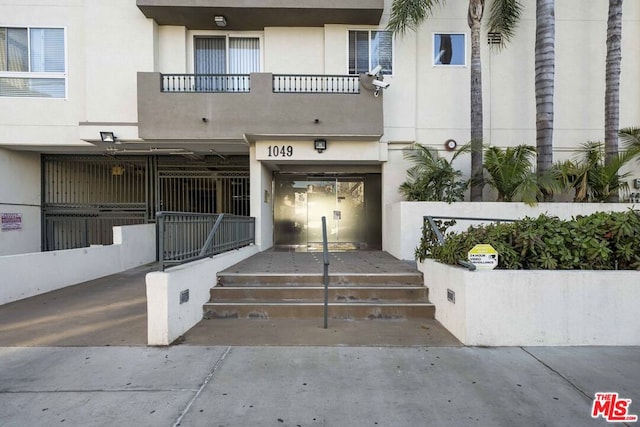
223	58
369	48
32	62
449	49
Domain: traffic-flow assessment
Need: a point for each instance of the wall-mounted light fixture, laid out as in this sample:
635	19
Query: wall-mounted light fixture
108	137
450	144
320	145
220	20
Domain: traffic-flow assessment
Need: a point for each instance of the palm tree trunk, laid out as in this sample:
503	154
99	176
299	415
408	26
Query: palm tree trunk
544	82
474	18
612	88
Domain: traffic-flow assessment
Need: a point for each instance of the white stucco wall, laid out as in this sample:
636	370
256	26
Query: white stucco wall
261	200
536	308
118	43
167	318
20	193
44	121
294	50
430	104
172	41
26	275
424	103
403	220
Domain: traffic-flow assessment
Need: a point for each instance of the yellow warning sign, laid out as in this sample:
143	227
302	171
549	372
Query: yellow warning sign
484	257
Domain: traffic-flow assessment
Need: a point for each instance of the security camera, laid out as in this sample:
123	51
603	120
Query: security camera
380	84
375	71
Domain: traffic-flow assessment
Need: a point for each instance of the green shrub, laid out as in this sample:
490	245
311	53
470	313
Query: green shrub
601	241
432	177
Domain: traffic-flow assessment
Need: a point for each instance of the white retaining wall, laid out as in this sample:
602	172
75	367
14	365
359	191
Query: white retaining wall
20	194
536	307
403	220
168	319
26	275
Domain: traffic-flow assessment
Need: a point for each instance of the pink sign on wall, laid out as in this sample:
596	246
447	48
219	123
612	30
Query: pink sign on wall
11	221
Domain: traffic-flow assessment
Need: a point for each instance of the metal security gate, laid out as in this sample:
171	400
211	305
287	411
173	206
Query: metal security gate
85	196
203	192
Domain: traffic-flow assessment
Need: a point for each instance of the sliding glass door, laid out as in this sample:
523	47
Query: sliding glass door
301	202
218	57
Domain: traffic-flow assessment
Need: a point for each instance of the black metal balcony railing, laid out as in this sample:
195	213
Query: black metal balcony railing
285	83
206	83
282	83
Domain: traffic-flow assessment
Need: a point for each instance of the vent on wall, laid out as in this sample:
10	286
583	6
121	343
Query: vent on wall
494	38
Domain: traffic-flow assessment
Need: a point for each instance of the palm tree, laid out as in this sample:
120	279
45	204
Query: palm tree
433	178
544	82
504	15
511	175
612	85
592	178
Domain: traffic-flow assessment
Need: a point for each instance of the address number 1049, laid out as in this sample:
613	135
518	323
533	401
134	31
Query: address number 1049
280	151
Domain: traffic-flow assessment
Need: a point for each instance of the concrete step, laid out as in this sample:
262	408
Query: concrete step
304	310
316	293
311	279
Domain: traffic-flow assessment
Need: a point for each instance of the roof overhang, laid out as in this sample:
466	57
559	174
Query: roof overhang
255	15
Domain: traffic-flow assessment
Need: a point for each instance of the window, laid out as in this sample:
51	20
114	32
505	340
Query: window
449	49
32	62
370	48
220	58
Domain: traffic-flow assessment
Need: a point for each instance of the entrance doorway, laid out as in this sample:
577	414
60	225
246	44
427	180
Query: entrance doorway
351	205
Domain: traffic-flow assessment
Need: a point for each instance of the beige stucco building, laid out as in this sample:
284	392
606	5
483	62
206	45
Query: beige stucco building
218	106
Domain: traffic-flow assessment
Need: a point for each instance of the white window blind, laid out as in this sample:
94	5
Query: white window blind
367	49
47	50
210	55
244	55
225	58
32	62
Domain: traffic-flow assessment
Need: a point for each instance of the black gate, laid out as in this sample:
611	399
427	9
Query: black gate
83	197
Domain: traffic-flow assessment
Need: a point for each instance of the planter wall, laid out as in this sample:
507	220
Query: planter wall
536	307
403	220
168	317
27	275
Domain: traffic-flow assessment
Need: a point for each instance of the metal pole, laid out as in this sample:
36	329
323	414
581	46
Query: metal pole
325	253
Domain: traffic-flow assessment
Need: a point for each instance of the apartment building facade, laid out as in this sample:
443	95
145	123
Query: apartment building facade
115	110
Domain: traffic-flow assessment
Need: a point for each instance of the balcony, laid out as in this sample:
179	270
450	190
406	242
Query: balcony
192	107
252	15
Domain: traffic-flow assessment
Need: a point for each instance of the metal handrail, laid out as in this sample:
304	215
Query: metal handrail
325	269
185	236
430	219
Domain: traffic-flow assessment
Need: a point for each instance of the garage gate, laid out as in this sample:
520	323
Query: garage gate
85	196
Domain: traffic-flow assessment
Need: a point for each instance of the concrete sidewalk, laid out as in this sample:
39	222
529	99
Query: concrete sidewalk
312	386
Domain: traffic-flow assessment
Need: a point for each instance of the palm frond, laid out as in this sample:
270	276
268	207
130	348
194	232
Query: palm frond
508	168
465	149
630	138
409	14
527	190
504	16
